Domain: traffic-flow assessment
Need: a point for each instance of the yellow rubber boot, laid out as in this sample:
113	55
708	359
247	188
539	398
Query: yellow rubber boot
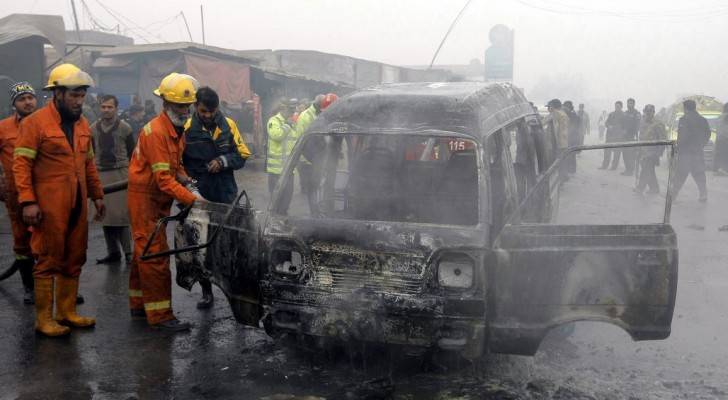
44	322
66	291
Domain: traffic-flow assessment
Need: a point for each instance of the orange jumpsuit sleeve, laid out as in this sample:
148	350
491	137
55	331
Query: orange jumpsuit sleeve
160	159
26	150
93	183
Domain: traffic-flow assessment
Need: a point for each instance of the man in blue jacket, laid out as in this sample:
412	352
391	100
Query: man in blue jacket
214	149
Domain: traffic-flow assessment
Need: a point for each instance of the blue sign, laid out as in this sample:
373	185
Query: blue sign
499	56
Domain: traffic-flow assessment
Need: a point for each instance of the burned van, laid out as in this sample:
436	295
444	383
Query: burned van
426	219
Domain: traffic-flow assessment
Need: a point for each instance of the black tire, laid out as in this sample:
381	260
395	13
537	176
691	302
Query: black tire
9	271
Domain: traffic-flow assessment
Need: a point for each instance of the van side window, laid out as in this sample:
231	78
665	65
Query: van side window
503	194
525	159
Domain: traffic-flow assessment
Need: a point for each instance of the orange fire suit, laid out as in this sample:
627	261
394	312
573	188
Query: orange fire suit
153	170
9	129
58	177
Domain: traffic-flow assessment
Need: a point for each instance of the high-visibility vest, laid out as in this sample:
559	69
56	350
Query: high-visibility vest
281	139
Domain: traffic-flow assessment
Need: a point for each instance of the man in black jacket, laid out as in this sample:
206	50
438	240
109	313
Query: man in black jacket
615	133
213	150
574	134
693	133
632	119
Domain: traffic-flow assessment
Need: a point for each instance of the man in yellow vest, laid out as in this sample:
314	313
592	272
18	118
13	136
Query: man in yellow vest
281	139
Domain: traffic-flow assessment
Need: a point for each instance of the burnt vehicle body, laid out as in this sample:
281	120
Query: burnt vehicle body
416	233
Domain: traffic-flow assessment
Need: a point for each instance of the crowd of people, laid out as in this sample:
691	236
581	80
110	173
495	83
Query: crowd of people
54	159
693	134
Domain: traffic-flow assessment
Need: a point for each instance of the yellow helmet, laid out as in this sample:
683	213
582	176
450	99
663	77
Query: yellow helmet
178	88
69	76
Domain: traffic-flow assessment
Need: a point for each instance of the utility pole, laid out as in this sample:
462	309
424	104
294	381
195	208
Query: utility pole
75	21
186	26
202	18
78	31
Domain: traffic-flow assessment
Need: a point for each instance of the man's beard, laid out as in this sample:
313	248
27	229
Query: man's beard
22	113
67	114
177	120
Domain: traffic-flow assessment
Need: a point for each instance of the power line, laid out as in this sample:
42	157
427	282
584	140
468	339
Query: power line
120	17
452	25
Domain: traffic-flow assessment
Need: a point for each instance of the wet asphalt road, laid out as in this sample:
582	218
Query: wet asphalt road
124	359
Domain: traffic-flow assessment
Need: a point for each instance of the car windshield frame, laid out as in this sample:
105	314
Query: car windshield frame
287	174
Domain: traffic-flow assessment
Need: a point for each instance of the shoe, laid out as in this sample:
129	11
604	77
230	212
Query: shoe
109	259
703	198
651	191
127	258
627	173
602	167
44	322
206	301
613	168
80	299
637	190
66	295
173	325
137	313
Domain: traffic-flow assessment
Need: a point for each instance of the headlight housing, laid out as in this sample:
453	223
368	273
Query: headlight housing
287	262
456	272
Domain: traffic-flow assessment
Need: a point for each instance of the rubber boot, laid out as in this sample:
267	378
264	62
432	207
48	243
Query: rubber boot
44	322
66	292
26	275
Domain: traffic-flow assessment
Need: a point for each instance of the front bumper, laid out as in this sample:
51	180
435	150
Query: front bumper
421	321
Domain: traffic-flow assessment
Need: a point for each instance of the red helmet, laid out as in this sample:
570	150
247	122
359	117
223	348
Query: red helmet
328	99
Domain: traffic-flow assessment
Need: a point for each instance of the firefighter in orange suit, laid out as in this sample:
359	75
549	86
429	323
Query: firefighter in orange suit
22	98
156	179
54	173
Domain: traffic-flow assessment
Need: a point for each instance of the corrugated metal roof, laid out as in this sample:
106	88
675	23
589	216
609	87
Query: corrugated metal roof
50	28
177	46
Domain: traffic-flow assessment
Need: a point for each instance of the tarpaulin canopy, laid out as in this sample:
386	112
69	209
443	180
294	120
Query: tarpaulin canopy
230	80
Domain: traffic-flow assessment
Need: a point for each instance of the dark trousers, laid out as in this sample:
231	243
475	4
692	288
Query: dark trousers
611	155
116	236
630	159
308	186
647	177
206	286
286	193
690	164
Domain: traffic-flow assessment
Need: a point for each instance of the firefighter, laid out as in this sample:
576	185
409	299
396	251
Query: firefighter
214	149
55	172
156	179
279	136
24	102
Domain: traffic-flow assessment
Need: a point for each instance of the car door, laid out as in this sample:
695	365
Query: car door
221	243
547	274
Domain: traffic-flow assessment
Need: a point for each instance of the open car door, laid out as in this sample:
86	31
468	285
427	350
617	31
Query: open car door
624	273
220	242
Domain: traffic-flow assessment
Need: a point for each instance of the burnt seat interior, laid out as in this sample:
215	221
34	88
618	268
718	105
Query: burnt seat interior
384	186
